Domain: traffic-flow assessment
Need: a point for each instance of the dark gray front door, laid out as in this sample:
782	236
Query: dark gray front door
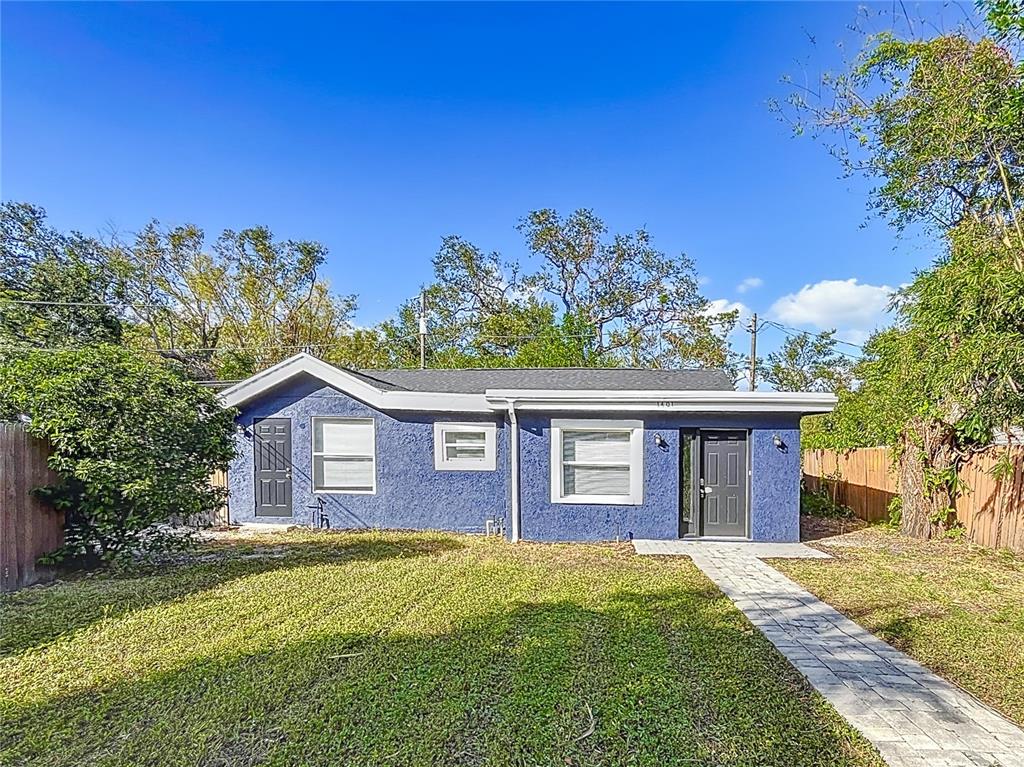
723	483
272	453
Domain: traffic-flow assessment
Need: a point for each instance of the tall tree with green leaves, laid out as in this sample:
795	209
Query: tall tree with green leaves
580	296
224	310
940	123
55	287
809	362
235	307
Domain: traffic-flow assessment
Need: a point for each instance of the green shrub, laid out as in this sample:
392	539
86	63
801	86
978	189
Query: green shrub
895	512
818	503
133	440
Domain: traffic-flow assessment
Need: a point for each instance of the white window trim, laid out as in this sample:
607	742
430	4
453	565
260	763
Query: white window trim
314	454
489	462
635	497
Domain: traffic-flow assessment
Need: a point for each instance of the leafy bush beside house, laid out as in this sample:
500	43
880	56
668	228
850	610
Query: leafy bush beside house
133	440
818	503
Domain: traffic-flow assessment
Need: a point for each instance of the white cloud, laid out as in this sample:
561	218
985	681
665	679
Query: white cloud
854	336
720	305
749	284
846	304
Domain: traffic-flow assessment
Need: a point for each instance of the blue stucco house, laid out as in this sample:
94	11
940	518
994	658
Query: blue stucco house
547	454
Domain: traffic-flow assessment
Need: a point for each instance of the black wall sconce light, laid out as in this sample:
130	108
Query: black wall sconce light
780	445
661	442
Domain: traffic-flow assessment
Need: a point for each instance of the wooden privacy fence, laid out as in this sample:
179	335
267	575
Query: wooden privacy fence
216	518
992	512
29	528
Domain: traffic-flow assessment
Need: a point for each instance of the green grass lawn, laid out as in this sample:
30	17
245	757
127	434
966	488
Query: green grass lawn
402	649
957	609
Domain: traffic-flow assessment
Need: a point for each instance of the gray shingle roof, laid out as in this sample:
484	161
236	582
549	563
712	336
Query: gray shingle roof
476	381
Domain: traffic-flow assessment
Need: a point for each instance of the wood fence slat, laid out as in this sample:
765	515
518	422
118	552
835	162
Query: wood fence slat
1014	537
215	518
992	512
28	527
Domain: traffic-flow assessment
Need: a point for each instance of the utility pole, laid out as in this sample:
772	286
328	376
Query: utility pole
753	352
423	329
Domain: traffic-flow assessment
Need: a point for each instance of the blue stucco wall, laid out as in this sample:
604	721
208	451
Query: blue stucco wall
411	493
775	482
774	491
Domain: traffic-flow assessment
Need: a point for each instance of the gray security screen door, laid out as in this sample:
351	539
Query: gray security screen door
272	455
723	483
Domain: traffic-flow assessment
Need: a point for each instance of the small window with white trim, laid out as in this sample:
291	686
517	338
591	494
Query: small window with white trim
344	455
597	462
464	446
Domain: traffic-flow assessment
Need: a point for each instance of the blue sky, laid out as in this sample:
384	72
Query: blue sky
377	129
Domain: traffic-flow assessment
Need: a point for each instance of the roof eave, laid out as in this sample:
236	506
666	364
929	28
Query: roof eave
714	401
718	401
304	364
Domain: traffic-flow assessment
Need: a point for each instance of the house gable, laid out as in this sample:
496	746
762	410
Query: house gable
300	365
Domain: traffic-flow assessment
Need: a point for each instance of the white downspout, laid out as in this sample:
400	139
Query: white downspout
513	421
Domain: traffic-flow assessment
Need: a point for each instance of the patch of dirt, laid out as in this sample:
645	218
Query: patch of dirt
829	534
819	528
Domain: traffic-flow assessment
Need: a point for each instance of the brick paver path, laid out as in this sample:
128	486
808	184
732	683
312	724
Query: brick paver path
911	715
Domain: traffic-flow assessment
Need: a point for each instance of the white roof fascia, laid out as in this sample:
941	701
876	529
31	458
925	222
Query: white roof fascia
597	400
667	401
266	380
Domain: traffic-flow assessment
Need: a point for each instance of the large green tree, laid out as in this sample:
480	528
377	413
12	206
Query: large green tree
224	309
232	308
55	287
580	296
809	362
940	123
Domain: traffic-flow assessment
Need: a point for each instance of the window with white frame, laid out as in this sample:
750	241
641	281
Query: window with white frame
465	446
597	461
344	455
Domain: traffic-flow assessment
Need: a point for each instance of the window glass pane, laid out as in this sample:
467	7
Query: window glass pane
460	446
464	438
595	480
596	446
686	480
343	473
454	452
343	437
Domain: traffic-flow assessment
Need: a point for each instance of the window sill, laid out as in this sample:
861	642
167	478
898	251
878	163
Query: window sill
343	492
600	500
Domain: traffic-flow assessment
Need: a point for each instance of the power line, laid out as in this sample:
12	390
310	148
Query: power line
86	304
784	328
788	331
795	333
280	347
452	334
128	305
197	349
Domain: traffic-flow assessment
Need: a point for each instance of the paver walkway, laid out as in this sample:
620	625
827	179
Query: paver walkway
912	716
